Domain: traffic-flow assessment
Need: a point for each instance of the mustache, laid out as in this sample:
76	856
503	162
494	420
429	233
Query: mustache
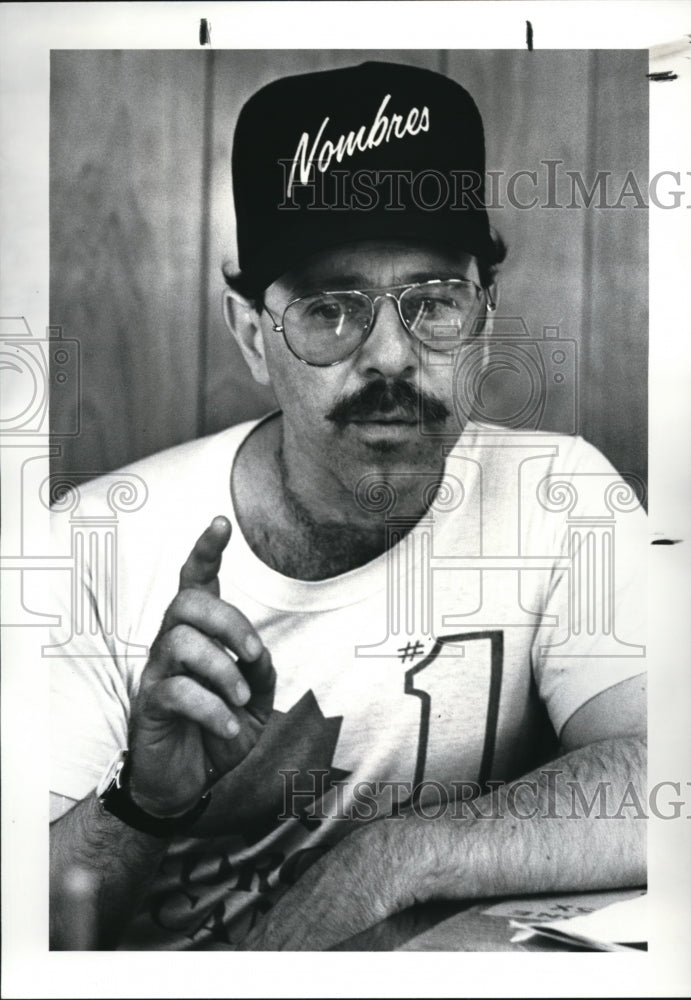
382	397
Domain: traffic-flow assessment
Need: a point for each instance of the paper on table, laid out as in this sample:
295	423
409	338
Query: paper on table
611	928
534	909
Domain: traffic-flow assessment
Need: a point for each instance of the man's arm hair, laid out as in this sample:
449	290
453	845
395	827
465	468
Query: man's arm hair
120	864
572	825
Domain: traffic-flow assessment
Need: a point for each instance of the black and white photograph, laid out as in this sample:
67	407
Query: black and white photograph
354	539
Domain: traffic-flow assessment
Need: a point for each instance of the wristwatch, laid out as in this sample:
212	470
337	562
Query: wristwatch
114	797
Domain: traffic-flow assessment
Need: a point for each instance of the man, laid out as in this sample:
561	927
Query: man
346	704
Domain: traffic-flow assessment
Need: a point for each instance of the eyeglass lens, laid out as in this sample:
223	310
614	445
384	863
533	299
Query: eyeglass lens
328	326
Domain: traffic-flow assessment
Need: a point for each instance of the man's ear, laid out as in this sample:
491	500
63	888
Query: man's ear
244	322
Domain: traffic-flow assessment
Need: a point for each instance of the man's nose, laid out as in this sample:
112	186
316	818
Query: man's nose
389	351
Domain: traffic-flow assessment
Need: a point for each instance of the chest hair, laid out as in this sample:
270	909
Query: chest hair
306	550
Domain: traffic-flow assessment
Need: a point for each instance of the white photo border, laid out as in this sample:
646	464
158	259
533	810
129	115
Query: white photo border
28	33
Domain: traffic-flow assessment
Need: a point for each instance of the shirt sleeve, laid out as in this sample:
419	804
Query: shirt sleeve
593	634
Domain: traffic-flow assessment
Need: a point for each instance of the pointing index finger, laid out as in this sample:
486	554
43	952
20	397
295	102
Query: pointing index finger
200	570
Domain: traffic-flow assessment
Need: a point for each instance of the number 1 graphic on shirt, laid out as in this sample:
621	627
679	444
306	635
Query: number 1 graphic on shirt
430	681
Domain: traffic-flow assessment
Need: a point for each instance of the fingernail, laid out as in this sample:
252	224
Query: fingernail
242	692
253	647
232	727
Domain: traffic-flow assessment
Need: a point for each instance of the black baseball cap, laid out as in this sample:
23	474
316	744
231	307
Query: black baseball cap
377	150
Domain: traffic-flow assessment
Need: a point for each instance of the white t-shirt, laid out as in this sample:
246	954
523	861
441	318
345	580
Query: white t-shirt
523	588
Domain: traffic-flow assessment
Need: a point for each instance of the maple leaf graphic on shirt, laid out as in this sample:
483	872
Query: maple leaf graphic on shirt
250	798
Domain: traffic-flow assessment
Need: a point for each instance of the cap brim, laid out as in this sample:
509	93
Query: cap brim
463	232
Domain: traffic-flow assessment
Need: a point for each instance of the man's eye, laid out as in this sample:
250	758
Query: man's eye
431	304
329	311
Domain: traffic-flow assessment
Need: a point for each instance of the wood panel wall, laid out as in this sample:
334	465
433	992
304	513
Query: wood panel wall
142	217
125	224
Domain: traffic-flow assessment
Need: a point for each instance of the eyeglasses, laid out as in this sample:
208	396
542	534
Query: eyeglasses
325	328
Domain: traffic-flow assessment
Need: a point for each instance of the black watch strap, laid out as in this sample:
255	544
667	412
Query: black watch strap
115	799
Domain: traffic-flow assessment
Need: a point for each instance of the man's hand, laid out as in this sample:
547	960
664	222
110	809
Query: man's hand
206	691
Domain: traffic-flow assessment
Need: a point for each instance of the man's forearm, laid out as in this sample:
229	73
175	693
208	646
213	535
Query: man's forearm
119	861
574	824
560	845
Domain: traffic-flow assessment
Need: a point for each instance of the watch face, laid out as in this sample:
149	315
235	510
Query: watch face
114	769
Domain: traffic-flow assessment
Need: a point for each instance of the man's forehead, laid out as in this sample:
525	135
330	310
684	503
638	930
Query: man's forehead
372	264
